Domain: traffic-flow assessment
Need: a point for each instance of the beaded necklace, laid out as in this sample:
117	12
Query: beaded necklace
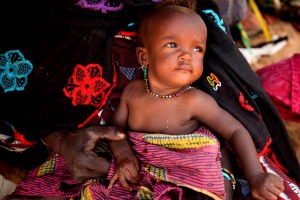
176	94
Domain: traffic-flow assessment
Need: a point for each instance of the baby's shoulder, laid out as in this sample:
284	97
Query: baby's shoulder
197	95
134	86
194	92
135	83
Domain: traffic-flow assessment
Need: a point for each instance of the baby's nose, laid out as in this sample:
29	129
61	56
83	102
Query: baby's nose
185	56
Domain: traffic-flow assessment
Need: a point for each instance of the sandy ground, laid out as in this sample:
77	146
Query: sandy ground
282	29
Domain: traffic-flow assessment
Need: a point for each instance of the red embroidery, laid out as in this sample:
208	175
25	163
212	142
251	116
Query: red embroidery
128	34
86	86
244	103
20	138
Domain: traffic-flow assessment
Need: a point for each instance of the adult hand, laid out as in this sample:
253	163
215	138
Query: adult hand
76	147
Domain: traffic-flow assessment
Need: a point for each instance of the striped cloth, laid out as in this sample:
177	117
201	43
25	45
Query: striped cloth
181	167
175	167
191	161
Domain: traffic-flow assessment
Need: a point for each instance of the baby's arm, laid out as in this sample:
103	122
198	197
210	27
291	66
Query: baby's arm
127	170
263	185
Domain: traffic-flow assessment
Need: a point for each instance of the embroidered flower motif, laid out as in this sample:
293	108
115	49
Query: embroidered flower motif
214	16
244	103
103	5
14	70
86	86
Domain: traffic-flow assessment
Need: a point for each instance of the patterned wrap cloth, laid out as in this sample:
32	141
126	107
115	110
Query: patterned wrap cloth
173	167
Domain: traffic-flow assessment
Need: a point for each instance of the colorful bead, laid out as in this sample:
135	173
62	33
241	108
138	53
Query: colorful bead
176	94
230	177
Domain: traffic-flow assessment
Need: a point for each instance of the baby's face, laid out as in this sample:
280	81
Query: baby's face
176	47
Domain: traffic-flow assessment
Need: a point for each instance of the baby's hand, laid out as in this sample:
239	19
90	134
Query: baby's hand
266	186
127	172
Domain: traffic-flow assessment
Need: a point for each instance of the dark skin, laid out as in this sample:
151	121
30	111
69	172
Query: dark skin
76	147
174	57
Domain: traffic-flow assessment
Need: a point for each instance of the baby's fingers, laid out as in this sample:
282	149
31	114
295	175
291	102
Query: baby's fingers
112	180
266	195
278	187
133	176
278	183
275	192
124	183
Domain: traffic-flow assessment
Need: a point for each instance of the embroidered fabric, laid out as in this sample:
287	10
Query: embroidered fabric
101	5
173	165
14	71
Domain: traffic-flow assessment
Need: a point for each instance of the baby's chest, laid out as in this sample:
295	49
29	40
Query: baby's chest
170	121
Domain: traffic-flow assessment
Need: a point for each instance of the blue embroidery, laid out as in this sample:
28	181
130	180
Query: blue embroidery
214	16
131	24
14	69
253	95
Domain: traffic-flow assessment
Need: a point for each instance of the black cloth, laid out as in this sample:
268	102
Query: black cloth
236	76
55	36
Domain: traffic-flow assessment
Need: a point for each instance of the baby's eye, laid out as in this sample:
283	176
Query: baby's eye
171	45
198	49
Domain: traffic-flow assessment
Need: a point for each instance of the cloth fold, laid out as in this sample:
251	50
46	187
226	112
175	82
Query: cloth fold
281	81
172	166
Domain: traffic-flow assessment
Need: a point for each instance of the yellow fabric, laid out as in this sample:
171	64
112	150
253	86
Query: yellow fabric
47	167
179	141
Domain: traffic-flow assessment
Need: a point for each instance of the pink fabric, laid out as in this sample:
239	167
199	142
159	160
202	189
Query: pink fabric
281	81
46	179
174	173
186	170
195	167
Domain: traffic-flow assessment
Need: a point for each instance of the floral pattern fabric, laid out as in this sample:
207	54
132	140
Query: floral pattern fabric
86	86
14	71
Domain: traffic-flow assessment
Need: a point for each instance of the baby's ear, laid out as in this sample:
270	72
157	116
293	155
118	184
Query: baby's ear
142	56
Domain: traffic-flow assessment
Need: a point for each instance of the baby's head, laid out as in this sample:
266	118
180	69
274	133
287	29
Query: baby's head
172	39
166	12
